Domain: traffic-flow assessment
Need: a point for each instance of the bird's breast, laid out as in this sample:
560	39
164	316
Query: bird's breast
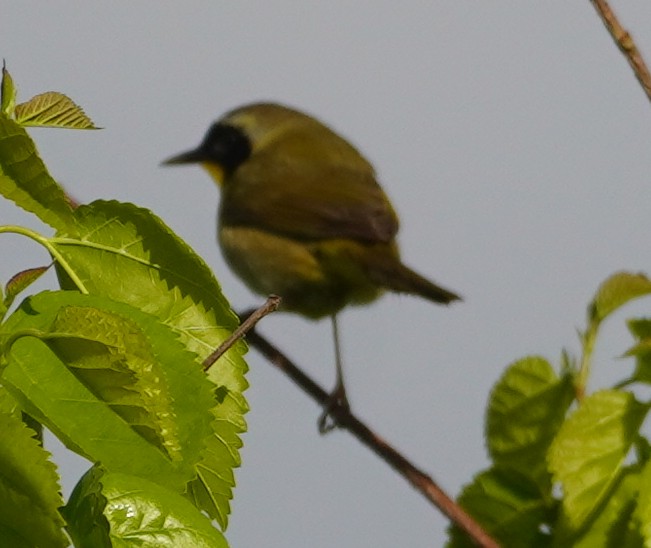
315	279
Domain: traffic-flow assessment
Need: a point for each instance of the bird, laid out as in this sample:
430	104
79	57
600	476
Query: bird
302	216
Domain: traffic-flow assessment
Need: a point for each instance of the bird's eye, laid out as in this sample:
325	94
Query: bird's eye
227	145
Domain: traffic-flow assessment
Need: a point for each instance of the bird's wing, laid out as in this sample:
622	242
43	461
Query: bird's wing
310	202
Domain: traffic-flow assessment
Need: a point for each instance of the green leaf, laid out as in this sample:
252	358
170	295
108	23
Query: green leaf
138	513
8	404
52	109
588	453
615	292
84	513
3	305
509	508
24	179
21	281
641	330
212	489
612	526
525	411
29	489
126	391
7	93
113	242
643	510
112	356
144	511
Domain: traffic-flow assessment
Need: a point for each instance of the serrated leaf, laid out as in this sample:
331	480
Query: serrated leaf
113	242
146	513
508	507
525	410
24	179
589	450
7	93
112	356
615	292
212	489
78	412
21	281
133	512
72	412
52	109
29	489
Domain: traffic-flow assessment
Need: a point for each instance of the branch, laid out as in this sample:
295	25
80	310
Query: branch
345	419
625	43
271	304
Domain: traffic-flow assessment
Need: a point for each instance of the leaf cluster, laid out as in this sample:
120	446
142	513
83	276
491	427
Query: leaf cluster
569	469
111	363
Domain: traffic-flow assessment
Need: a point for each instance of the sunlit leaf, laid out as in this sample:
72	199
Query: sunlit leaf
149	514
29	489
507	506
525	411
587	455
52	109
7	93
113	357
612	526
106	362
616	291
137	513
129	255
8	404
25	180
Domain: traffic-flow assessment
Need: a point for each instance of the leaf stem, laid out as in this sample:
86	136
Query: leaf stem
46	243
588	342
13	337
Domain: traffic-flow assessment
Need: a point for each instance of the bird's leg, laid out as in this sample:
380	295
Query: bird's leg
337	397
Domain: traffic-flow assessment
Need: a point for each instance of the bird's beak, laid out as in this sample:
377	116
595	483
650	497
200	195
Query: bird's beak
195	156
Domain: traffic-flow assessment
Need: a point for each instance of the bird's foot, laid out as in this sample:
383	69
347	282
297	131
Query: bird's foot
334	405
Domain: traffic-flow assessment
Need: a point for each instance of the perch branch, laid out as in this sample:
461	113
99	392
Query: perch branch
271	304
345	419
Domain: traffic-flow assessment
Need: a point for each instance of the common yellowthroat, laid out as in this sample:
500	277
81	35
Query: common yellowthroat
302	216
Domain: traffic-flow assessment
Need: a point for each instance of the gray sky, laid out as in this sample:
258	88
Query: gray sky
513	140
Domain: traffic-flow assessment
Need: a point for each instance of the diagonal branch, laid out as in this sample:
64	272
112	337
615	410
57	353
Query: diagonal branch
253	317
625	43
345	419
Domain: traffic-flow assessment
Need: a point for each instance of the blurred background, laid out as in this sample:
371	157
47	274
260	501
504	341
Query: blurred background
513	140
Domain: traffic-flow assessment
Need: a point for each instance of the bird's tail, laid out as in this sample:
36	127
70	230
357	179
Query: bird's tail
402	279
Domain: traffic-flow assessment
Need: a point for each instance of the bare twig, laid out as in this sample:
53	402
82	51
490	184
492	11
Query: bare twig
345	419
271	304
625	43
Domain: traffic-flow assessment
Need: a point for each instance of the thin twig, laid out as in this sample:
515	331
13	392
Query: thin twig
345	419
271	304
625	43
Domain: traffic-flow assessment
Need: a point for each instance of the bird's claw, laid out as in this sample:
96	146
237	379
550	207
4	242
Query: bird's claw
328	420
